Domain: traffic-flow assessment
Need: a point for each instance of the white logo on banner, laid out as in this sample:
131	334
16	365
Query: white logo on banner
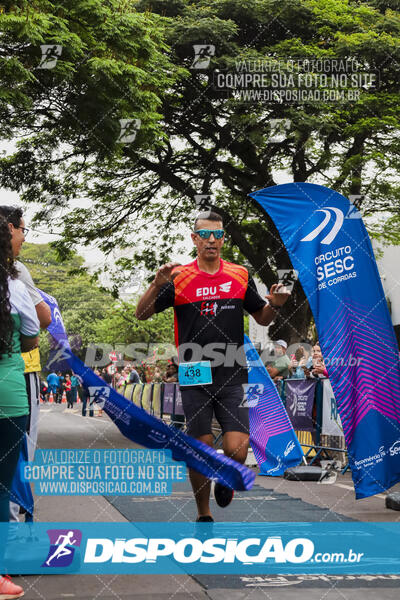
290	446
395	448
329	238
331	423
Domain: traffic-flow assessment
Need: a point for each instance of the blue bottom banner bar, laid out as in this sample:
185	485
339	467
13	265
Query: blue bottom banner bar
214	548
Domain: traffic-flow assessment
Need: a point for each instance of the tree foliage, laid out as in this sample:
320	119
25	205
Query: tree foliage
193	140
90	315
122	327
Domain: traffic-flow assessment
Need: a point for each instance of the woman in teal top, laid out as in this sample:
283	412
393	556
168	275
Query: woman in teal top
19	329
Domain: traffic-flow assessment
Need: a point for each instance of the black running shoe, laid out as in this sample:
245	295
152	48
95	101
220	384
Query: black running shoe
222	494
205	519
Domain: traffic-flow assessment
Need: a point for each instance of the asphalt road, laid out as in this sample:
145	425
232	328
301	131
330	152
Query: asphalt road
62	428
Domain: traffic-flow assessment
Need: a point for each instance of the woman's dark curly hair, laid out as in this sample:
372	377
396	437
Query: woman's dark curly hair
7	269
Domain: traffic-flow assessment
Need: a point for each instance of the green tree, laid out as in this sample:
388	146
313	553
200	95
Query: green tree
122	330
210	144
122	327
90	314
82	302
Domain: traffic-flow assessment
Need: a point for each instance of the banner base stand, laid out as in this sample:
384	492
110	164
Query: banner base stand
393	501
303	473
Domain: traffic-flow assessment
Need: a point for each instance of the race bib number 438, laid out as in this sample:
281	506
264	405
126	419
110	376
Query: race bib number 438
195	373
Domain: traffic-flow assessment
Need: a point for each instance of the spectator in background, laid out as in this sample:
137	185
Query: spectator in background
52	384
134	375
43	391
123	380
299	364
68	390
19	332
171	374
60	390
280	368
106	376
318	367
74	387
157	375
86	401
141	373
117	378
91	402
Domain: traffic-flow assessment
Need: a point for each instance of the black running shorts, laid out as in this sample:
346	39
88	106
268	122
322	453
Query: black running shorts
201	403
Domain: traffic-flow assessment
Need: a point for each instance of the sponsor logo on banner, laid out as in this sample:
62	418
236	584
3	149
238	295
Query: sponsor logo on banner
157	436
59	356
299	404
63	543
395	448
289	448
329	238
371	460
331	422
330	252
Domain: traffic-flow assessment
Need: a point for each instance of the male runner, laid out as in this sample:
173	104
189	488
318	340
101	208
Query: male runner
209	296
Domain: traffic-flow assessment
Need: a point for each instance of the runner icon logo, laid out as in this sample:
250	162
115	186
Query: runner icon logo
63	543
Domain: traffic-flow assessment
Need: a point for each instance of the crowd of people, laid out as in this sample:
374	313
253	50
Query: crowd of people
135	374
57	384
305	363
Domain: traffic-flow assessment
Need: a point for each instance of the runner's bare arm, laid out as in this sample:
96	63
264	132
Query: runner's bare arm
146	305
43	314
277	297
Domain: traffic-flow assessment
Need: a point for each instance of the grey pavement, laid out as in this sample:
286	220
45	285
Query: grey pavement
63	428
